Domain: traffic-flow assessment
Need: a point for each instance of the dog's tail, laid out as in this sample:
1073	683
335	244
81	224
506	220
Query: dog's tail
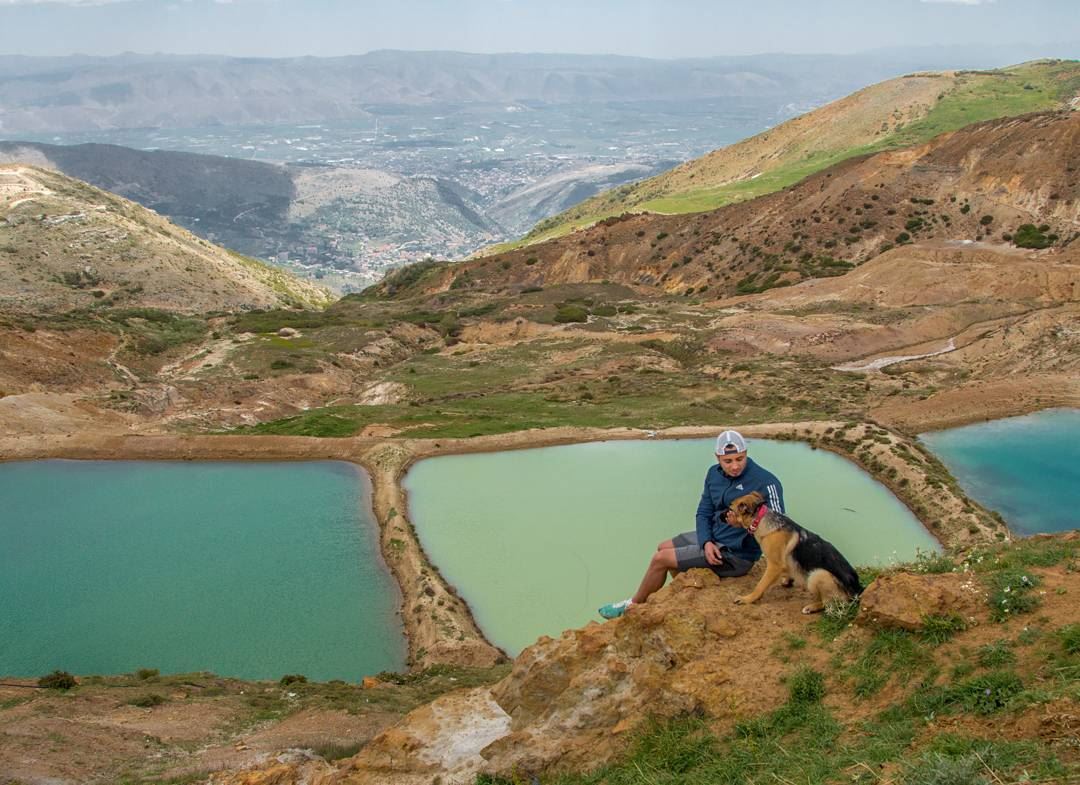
849	579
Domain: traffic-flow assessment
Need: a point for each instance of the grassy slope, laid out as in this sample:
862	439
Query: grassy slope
973	96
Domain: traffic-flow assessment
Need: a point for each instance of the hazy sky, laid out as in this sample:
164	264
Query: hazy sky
650	28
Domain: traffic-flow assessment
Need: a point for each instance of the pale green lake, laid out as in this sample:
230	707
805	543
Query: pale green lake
536	540
252	570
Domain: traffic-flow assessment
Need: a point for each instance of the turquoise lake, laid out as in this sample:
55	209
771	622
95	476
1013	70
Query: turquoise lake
1026	468
250	570
536	540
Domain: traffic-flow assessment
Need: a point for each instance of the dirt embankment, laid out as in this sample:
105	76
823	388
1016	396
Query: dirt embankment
439	624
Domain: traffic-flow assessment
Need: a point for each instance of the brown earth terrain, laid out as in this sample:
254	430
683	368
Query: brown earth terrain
979	183
573	703
855	349
65	244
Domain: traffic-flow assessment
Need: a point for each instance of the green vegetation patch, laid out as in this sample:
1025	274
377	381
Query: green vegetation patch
155	331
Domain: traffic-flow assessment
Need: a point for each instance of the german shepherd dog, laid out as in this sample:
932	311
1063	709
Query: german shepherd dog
794	555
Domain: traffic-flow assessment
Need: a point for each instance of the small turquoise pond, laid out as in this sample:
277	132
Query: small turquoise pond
248	570
1026	468
536	540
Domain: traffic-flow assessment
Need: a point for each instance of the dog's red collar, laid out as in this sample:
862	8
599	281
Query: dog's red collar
757	518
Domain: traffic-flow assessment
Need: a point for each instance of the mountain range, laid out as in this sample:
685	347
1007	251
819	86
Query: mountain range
51	94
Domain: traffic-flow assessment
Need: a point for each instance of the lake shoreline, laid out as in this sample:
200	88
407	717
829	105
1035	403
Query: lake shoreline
440	627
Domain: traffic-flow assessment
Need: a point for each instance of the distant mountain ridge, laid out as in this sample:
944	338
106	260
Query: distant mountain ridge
50	94
265	209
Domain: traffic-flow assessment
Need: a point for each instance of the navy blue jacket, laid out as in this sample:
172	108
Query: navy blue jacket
720	491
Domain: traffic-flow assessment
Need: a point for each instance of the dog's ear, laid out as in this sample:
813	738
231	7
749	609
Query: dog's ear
757	500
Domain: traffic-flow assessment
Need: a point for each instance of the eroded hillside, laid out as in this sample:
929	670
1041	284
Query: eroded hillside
66	245
890	115
984	182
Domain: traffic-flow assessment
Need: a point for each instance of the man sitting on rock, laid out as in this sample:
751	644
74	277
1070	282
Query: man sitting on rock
728	551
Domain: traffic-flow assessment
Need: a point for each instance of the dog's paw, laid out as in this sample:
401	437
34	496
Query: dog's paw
787	583
745	600
808	609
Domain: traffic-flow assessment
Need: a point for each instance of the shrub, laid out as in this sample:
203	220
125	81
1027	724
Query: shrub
1029	236
571	313
57	680
278	365
147	701
531	261
293	678
146	673
986	220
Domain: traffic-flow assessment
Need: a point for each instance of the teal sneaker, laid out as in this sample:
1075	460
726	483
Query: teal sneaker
615	609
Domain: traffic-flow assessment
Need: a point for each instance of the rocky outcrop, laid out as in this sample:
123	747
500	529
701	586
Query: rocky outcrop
572	703
904	601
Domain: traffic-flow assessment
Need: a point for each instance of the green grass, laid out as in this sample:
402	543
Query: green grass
939	628
957	760
988	693
986	96
803	742
836	618
333	750
996	655
408	691
314	423
889	653
147	701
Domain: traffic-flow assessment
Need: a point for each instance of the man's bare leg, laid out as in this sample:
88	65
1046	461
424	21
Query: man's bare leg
662	563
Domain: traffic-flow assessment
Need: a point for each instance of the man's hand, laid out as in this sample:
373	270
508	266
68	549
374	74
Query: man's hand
712	554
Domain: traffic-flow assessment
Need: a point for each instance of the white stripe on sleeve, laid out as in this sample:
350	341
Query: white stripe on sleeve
774	499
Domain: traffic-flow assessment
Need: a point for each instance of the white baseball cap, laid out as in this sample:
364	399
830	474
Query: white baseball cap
730	442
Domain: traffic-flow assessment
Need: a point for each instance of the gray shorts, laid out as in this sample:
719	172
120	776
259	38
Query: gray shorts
689	554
